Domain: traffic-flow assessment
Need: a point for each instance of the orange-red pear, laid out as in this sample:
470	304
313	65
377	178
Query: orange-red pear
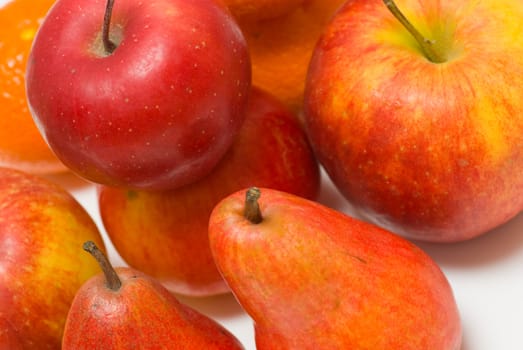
314	278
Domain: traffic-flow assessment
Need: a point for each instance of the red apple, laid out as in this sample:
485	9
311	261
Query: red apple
42	227
164	234
422	131
157	111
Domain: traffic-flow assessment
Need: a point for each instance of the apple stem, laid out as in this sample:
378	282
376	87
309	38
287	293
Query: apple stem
252	208
112	280
430	48
109	46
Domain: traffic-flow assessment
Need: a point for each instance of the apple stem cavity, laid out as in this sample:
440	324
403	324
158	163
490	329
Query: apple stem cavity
112	280
430	48
109	46
252	208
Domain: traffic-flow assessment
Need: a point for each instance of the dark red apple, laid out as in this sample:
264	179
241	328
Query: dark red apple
157	111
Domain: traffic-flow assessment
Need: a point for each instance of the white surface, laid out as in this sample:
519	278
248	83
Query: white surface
485	274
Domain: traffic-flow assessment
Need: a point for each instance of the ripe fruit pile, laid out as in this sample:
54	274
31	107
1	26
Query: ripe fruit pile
204	123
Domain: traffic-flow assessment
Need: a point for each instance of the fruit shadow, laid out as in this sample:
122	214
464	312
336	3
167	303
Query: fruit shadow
497	244
464	345
500	243
331	197
69	180
216	306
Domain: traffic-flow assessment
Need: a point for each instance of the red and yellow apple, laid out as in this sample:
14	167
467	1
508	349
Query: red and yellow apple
422	131
42	228
164	234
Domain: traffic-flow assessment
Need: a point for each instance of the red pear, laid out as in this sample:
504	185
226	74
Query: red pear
314	278
164	234
126	309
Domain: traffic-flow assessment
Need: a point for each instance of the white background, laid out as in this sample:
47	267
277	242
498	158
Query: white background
485	274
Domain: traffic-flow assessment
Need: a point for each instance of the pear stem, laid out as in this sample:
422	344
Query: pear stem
252	208
112	280
109	46
431	50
